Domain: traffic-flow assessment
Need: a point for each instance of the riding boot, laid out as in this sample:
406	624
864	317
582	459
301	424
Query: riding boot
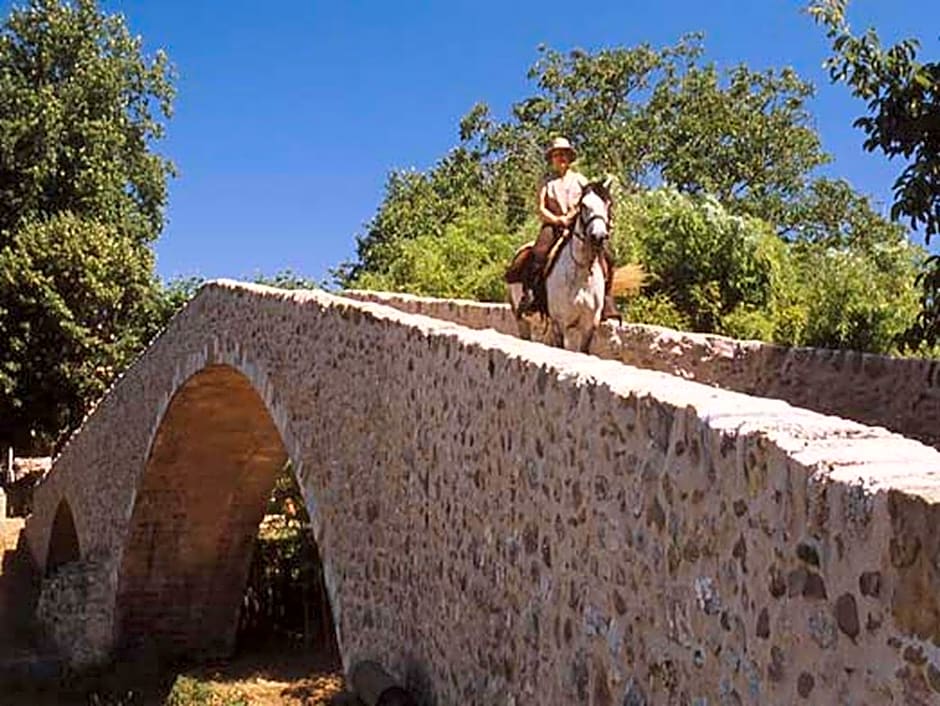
610	310
530	283
527	302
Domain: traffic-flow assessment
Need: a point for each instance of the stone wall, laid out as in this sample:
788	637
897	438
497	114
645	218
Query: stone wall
73	611
505	523
901	394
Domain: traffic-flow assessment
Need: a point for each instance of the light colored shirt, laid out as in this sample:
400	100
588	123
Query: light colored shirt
563	193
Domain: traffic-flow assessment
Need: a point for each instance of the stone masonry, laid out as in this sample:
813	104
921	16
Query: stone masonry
901	394
500	522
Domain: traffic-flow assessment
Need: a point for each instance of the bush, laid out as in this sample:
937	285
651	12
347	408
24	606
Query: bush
654	309
853	301
705	261
467	260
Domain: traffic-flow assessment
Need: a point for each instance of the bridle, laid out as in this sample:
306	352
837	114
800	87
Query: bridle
580	231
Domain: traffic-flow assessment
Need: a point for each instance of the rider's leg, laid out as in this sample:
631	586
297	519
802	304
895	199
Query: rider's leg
542	246
536	264
517	268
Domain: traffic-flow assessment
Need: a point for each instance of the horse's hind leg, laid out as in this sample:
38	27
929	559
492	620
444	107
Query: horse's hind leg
586	339
572	340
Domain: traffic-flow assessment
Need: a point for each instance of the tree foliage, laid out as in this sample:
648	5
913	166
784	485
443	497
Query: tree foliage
76	304
641	114
848	299
645	114
903	120
82	197
416	204
713	271
466	260
79	107
707	262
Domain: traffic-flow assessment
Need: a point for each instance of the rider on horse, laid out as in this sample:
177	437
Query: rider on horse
559	199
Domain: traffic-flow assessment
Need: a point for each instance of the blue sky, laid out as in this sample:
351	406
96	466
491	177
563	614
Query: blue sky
290	114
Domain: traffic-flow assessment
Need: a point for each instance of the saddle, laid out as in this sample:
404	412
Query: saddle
517	265
520	263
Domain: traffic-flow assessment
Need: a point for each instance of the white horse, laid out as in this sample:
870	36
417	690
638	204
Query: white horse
575	284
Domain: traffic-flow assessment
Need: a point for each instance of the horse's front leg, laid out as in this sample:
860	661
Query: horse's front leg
578	339
557	334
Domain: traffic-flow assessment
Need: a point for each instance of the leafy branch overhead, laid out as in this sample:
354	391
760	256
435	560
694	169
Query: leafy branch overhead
903	98
643	114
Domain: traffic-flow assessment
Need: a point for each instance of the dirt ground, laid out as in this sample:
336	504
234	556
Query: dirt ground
274	674
285	679
263	677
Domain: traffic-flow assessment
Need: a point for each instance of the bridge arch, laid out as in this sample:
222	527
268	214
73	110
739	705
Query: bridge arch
199	501
64	546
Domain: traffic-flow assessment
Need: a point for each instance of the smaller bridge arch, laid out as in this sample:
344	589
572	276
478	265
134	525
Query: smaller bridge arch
64	546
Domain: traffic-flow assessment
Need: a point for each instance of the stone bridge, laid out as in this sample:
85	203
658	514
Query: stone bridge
501	522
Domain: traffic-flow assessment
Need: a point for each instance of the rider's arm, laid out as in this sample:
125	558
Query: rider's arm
546	215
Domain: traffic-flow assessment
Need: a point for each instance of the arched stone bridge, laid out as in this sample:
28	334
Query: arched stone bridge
500	522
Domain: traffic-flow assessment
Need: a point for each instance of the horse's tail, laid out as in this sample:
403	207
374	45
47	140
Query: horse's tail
628	280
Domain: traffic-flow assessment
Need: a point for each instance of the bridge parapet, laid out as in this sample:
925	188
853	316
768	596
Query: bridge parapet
503	521
900	394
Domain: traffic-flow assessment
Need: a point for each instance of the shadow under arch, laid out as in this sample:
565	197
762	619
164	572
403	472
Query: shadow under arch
202	495
63	539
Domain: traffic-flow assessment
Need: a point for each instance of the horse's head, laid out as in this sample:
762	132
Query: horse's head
594	214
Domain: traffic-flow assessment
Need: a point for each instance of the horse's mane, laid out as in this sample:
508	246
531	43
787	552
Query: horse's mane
597	187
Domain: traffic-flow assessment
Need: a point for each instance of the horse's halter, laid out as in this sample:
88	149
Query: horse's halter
584	220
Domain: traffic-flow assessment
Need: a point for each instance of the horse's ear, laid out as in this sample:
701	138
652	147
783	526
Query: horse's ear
600	188
608	183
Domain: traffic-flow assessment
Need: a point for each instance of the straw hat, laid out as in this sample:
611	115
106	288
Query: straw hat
561	143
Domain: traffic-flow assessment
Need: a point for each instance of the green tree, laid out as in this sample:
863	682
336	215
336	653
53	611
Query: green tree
79	108
903	98
641	113
745	137
833	214
416	204
644	114
467	260
76	304
82	197
712	271
706	262
847	298
733	244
